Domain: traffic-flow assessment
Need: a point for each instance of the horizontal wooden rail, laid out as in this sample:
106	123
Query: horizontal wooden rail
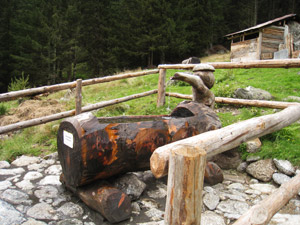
285	63
58	87
46	119
244	102
224	139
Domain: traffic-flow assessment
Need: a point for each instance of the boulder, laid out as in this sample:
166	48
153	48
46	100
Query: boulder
253	146
252	93
284	166
262	170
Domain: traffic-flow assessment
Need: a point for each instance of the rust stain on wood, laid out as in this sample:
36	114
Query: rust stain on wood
121	200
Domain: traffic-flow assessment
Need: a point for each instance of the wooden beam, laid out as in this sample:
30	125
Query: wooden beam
263	212
286	63
224	139
58	87
243	102
46	119
185	183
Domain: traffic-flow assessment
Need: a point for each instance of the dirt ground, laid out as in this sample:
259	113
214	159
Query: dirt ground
31	109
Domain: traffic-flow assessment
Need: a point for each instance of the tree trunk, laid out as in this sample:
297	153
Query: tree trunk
218	141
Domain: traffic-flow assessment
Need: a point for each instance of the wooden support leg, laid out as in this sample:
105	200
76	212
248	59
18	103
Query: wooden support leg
185	183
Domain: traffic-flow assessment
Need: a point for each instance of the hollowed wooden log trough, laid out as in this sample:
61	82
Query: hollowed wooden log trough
90	150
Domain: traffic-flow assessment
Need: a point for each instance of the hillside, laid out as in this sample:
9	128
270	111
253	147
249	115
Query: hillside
281	83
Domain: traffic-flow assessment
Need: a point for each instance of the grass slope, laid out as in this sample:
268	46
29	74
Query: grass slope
281	83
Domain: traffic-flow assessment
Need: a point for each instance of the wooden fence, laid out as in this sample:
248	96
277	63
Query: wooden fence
187	157
161	92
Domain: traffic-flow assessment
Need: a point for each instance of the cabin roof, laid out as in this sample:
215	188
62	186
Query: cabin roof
270	22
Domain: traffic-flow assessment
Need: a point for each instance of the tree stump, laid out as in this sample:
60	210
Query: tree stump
185	183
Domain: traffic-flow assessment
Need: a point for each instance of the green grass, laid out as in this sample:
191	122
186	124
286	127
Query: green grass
280	83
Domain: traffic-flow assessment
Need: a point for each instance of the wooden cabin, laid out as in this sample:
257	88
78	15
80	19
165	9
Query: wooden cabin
275	39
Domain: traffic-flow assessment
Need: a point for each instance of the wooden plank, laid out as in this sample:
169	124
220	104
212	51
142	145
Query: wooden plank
224	139
263	212
185	183
273	36
265	49
270	44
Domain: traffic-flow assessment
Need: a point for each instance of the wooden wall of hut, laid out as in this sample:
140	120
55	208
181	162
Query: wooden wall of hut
272	37
244	50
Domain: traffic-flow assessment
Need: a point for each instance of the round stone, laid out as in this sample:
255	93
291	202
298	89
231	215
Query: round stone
11	172
5	184
280	178
50	180
211	218
34	222
70	209
14	196
263	188
70	222
42	211
46	192
54	170
284	166
25	160
4	164
9	215
33	176
25	185
236	186
211	200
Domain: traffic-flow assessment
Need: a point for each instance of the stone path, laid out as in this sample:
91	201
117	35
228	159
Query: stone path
31	194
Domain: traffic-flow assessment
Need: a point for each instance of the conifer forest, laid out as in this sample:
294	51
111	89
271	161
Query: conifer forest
54	41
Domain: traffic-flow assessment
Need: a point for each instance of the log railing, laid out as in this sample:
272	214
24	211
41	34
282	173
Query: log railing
213	143
58	87
46	119
286	63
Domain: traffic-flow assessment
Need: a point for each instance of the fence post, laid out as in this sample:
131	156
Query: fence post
78	97
185	183
161	87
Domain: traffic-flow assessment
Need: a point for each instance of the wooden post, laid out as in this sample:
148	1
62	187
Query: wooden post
264	210
185	183
78	98
259	43
161	88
